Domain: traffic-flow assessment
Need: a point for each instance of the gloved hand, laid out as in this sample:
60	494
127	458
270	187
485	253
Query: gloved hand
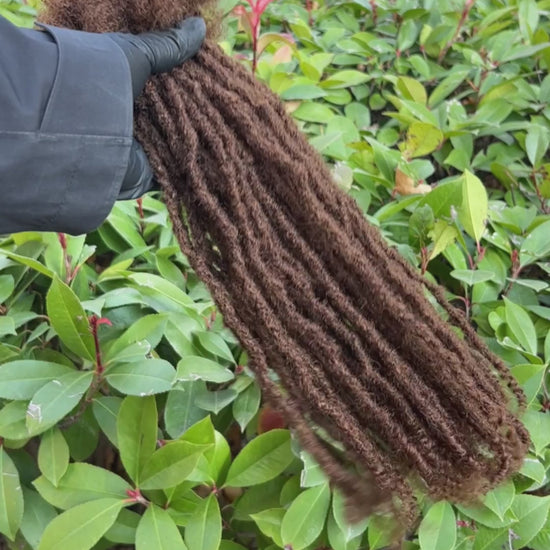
148	54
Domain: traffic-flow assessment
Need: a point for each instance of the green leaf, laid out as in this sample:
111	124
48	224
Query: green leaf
447	86
350	531
313	112
412	89
192	368
56	399
146	332
137	433
442	236
215	401
538	424
13	420
264	458
180	412
82	483
215	344
337	537
521	327
474	209
142	378
230	545
312	474
7	326
536	245
437	530
422	139
82	526
536	143
305	518
490	539
302	91
36	517
204	529
530	378
53	455
472	277
379	533
69	320
22	379
533	469
11	497
106	409
123	531
170	465
531	512
269	522
246	405
155	285
29	262
345	79
500	499
7	286
157	531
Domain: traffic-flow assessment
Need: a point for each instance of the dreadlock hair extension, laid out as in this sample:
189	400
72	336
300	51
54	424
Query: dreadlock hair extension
383	392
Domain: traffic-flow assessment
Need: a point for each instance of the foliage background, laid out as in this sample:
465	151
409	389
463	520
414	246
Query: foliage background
127	409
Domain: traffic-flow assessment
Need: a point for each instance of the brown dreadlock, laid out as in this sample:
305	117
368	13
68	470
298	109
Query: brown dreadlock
378	388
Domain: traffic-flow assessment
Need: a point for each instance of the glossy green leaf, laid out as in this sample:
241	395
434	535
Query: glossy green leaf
163	288
204	529
536	245
422	139
474	209
137	433
269	522
349	530
82	526
157	531
82	483
264	458
437	530
500	499
69	319
53	455
13	418
531	512
246	405
215	401
305	518
170	465
192	368
22	379
338	538
181	412
312	474
7	286
215	344
36	517
522	329
472	277
345	79
142	378
57	398
11	497
106	409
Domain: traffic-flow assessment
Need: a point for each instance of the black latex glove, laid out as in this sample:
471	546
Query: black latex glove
148	54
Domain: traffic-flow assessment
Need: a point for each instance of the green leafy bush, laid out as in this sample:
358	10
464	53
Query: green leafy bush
127	413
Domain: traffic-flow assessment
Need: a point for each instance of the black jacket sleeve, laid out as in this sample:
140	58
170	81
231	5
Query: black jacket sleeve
66	116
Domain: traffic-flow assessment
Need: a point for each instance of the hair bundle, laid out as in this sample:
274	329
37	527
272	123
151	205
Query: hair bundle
382	391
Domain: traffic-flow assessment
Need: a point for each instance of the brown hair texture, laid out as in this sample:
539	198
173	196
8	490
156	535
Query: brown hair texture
387	395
